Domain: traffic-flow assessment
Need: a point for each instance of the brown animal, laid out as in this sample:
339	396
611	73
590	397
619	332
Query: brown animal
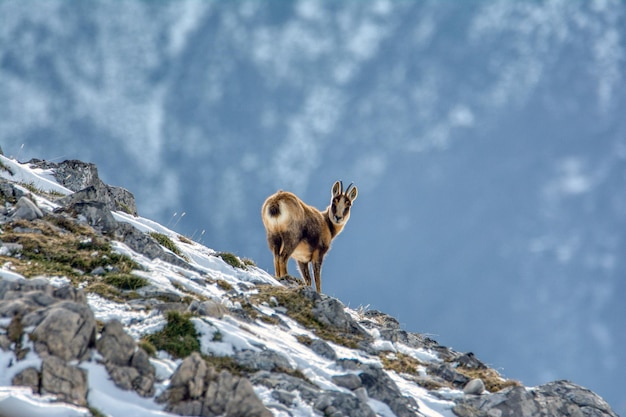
297	230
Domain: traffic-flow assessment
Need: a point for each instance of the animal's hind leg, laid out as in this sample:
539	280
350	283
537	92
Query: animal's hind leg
305	272
317	271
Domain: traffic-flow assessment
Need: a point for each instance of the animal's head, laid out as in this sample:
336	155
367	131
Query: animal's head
340	203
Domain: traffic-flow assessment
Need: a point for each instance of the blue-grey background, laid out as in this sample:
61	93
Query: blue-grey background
487	139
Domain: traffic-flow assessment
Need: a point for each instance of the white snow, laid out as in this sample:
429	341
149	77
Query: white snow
218	336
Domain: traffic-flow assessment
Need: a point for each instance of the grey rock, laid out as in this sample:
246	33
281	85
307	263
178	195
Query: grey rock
331	312
323	349
209	308
474	387
96	213
67	330
559	398
196	389
349	381
5	342
29	377
163	307
27	210
381	387
77	176
115	345
190	377
324	401
67	382
265	360
129	367
146	245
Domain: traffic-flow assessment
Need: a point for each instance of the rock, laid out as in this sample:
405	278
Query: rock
96	213
67	382
66	330
27	210
115	345
323	349
331	312
78	176
381	387
196	389
265	360
209	308
129	367
29	377
560	398
146	245
323	401
349	381
474	387
189	378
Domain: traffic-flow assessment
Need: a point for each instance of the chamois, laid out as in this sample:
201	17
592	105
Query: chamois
297	230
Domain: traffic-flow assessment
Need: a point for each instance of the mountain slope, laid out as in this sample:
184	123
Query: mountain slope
267	347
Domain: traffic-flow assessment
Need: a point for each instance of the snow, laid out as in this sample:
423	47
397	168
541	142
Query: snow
218	336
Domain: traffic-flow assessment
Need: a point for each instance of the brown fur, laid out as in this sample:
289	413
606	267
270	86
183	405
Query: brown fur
302	232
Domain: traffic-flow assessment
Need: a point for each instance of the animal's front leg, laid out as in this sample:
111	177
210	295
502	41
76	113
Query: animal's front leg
317	272
305	272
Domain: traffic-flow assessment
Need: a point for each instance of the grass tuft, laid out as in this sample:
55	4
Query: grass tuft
232	260
125	282
166	242
179	336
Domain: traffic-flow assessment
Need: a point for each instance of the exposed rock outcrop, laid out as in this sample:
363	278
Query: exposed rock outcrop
128	366
82	178
198	390
559	398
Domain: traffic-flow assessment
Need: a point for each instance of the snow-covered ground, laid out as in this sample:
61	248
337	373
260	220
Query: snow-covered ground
236	335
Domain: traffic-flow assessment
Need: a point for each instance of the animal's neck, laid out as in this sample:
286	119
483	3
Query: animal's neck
335	229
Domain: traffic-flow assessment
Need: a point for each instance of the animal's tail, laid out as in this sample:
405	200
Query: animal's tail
273	209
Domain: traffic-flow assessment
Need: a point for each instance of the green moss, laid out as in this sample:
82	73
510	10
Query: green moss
95	412
179	336
166	242
146	345
125	281
232	260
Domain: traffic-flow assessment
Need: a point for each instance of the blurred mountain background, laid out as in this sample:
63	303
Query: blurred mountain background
487	139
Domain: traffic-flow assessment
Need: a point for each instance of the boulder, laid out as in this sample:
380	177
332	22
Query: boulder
265	360
27	210
197	390
96	213
329	403
67	382
82	178
29	377
128	366
559	398
381	387
66	330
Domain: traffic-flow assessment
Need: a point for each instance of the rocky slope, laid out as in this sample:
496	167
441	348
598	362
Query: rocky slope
103	312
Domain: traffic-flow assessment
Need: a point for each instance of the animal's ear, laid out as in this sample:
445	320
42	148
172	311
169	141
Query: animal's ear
353	193
337	189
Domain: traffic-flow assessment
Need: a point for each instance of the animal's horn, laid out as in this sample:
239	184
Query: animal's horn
341	184
349	188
